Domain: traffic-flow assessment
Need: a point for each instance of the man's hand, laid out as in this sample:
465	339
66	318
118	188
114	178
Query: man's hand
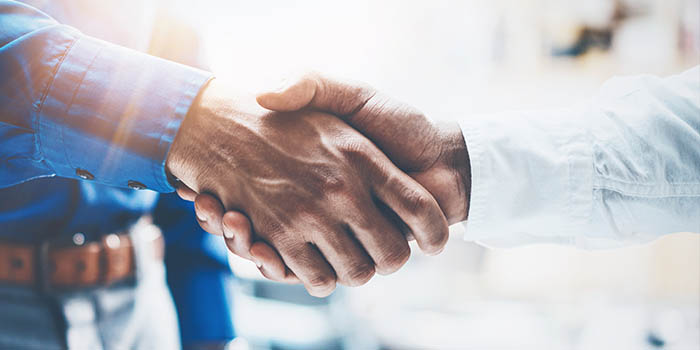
434	155
319	192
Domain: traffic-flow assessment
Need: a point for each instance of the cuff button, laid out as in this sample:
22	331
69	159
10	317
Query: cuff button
135	185
84	174
79	239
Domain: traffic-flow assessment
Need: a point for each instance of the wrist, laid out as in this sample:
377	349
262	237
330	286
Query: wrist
186	153
456	159
176	163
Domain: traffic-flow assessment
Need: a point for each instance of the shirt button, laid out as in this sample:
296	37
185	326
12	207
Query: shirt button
79	239
135	185
84	174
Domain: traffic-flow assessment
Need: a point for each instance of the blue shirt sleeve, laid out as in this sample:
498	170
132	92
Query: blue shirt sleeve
78	107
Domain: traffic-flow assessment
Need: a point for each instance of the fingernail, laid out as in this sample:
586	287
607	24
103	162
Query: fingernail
200	217
257	261
227	232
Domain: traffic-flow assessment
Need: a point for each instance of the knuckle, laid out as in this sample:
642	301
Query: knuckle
435	242
328	180
393	259
357	150
333	182
322	282
416	201
359	275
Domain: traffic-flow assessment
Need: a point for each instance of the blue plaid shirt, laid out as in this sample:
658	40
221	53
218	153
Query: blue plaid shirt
83	122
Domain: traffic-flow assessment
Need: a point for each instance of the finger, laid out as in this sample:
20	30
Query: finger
238	233
417	209
352	265
271	265
382	240
395	219
186	193
209	212
311	267
320	92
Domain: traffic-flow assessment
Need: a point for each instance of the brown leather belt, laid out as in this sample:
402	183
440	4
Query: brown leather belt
82	265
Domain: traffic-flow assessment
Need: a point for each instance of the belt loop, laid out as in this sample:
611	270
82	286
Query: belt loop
43	268
103	264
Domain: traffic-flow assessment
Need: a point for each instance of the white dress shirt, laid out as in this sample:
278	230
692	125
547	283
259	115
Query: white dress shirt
623	169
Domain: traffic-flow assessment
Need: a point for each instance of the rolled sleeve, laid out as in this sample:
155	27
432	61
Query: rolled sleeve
111	114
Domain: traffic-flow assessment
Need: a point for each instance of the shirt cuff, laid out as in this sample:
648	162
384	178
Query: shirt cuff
531	178
111	114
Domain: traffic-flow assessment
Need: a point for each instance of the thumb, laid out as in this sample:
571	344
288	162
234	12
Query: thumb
335	96
291	96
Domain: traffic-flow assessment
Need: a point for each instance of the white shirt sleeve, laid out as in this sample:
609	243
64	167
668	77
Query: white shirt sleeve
625	169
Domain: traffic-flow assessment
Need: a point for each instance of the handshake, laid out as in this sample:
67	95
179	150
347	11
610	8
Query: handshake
322	181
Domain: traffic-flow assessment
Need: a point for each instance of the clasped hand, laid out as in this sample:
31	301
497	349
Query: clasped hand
325	185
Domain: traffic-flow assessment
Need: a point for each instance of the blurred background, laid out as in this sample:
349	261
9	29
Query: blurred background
453	59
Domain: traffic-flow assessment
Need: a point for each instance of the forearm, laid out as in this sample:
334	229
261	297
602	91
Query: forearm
624	169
